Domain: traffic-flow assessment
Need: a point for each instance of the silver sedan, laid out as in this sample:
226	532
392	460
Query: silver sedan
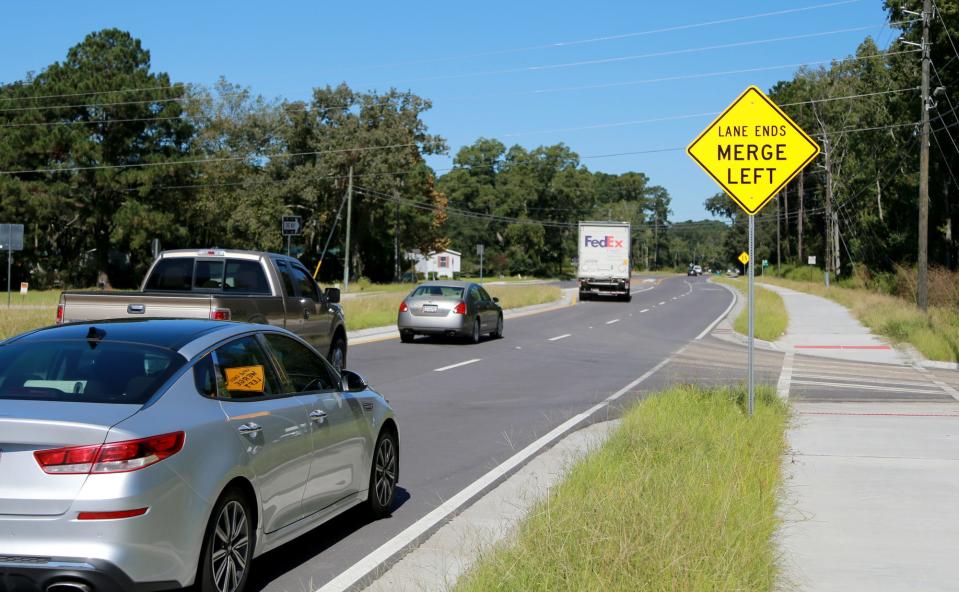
450	308
157	454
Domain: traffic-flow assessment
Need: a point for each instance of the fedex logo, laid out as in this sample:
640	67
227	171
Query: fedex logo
607	242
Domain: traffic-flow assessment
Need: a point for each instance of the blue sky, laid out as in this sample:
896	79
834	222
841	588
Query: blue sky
476	62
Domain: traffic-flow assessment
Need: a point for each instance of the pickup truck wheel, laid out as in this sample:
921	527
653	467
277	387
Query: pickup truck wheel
338	354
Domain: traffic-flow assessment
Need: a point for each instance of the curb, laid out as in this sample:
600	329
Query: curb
387	332
724	329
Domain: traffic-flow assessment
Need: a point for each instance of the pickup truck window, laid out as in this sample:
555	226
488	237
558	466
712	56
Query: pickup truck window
185	274
173	274
246	277
287	278
306	287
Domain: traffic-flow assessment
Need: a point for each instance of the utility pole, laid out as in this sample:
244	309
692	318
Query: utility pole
799	219
778	223
349	219
829	245
922	263
396	238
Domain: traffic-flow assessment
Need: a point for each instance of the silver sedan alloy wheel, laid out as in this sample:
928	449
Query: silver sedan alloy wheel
230	547
385	473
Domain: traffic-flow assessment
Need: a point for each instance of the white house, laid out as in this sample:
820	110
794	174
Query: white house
436	265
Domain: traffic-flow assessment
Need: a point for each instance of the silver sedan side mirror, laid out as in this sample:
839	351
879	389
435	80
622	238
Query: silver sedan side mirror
353	382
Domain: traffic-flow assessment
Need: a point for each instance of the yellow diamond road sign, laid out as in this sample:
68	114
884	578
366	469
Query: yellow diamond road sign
753	150
744	257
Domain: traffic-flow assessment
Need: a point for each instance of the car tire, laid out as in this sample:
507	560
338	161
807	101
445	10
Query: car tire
224	554
337	356
475	335
583	296
498	332
384	473
407	336
627	297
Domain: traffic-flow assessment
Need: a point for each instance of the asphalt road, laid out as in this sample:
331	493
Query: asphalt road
463	409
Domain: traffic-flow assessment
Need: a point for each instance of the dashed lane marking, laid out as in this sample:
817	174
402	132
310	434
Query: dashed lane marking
558	337
612	321
457	365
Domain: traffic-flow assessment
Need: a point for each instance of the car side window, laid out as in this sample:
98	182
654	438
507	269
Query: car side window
287	278
304	370
243	371
204	376
484	295
306	287
474	295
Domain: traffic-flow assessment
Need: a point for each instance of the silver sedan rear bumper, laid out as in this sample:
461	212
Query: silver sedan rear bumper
433	325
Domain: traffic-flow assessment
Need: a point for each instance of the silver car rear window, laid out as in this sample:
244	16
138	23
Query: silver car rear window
84	371
438	291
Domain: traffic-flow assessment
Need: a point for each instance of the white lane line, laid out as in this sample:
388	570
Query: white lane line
674	297
946	388
612	321
558	337
644	310
457	365
662	303
785	376
721	316
417	531
642	290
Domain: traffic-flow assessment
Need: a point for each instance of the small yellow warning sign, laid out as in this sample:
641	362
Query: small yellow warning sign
744	257
245	378
753	149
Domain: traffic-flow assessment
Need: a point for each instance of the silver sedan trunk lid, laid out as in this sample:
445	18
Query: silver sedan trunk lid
432	306
29	426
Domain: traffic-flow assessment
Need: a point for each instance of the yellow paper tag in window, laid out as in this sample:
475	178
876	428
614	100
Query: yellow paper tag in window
246	378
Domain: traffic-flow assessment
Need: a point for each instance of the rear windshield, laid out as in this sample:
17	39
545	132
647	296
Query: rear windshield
440	291
84	371
184	274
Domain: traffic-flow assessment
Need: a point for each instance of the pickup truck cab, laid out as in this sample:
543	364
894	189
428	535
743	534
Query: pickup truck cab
247	286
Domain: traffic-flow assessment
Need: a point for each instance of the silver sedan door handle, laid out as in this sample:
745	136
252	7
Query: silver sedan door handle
317	415
249	428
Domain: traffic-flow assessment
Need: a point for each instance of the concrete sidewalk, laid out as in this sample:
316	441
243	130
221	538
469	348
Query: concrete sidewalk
821	327
870	500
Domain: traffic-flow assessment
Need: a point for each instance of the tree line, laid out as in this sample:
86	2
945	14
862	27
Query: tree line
101	155
856	206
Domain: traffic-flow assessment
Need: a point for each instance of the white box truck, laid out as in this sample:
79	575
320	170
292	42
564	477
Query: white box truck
604	259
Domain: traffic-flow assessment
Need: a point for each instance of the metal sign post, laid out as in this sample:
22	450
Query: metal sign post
11	239
479	251
291	228
752	150
752	311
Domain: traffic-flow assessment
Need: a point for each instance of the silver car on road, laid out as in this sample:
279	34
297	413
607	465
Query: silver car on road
450	308
155	454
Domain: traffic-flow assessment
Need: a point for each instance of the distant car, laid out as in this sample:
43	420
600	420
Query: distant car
691	271
452	308
698	270
158	454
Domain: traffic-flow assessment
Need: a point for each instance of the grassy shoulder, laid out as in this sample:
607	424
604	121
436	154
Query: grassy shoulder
771	317
377	310
934	333
681	498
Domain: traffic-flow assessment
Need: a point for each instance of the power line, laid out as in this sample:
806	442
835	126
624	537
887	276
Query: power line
44	107
666	53
606	38
306	109
206	160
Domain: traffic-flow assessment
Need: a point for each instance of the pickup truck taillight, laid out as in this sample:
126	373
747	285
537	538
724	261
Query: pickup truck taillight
115	457
460	308
220	314
60	314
